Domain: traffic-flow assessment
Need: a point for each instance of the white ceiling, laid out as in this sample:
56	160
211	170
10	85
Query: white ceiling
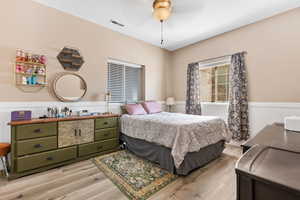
191	20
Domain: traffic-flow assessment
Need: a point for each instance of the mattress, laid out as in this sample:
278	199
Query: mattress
182	133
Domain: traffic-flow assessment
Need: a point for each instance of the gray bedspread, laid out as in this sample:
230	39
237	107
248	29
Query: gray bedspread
181	132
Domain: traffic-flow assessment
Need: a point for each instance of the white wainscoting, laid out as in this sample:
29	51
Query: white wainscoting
260	113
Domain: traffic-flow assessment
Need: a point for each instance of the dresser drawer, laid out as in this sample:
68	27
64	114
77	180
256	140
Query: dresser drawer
44	159
36	145
87	149
104	134
106	122
35	131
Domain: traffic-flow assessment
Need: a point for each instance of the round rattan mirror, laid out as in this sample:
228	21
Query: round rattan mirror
69	87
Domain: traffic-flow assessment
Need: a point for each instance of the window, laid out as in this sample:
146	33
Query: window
125	82
214	82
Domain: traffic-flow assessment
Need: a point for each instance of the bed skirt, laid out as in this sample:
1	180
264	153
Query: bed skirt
162	155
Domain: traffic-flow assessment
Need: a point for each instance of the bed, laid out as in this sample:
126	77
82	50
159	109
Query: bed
178	142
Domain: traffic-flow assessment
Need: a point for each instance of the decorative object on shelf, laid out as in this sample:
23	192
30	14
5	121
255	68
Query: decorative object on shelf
107	100
21	115
70	59
69	87
66	112
170	102
58	112
83	113
30	71
52	112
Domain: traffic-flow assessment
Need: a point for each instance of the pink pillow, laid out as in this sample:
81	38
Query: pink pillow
135	109
152	107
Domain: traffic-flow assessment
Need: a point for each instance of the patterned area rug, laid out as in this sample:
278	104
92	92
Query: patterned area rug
135	177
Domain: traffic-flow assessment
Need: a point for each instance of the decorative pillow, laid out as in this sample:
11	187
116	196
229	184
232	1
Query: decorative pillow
135	109
152	107
123	109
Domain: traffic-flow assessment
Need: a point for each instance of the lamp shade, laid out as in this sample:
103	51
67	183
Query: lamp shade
170	101
162	13
162	9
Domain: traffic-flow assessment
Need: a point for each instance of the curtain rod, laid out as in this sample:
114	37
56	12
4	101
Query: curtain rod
244	52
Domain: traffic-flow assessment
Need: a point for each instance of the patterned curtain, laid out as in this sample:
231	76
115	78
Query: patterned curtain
193	105
238	120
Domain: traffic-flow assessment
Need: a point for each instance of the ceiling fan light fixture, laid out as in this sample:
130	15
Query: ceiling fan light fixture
162	9
161	14
162	4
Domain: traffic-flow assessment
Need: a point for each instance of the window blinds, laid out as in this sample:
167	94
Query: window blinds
132	84
116	82
124	82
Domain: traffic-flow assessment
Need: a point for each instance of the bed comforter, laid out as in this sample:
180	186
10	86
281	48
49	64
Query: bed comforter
182	133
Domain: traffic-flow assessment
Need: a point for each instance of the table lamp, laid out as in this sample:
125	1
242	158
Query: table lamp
170	102
107	100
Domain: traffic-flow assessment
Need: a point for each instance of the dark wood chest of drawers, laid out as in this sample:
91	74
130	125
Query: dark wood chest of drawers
39	145
268	173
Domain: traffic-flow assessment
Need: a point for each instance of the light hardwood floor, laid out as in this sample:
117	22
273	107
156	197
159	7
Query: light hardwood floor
83	181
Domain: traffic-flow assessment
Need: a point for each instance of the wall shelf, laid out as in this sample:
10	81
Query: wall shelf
36	85
70	59
30	63
30	74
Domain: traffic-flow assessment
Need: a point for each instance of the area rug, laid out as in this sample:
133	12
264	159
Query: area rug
137	178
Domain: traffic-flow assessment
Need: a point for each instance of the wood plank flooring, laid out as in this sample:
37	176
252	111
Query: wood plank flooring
83	181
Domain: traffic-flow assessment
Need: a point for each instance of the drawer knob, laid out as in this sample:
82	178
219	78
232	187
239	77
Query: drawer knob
106	134
38	146
37	130
50	158
100	147
105	123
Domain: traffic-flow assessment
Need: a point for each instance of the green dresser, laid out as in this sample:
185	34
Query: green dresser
39	145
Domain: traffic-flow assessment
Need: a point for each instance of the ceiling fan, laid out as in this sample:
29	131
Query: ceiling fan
167	12
162	11
178	9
